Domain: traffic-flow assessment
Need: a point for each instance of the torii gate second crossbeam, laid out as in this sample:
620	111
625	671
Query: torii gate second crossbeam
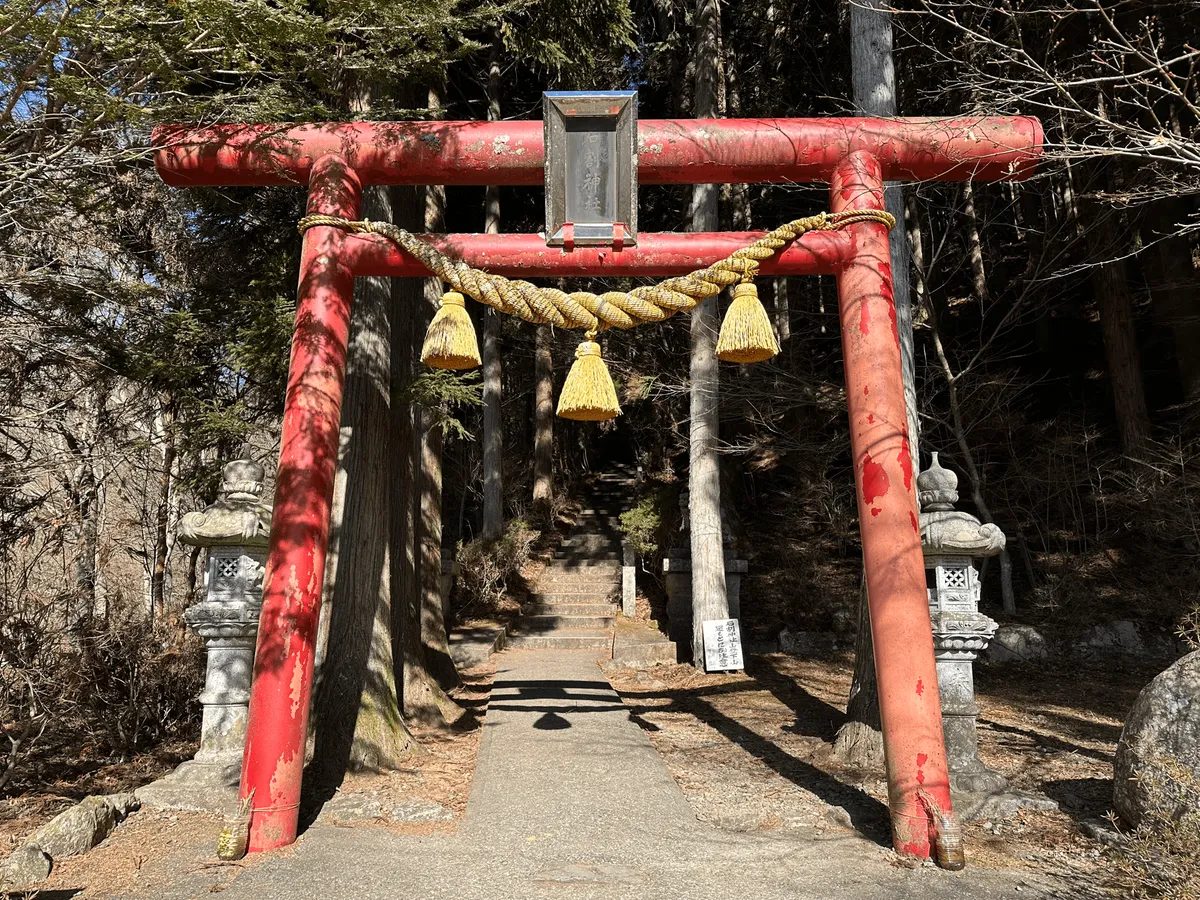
855	156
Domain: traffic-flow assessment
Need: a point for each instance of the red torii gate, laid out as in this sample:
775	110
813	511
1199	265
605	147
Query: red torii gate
854	155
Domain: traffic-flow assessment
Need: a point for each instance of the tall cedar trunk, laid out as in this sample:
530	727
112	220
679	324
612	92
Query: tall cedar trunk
783	315
859	741
87	568
158	571
709	600
1111	286
543	417
1175	289
493	425
356	712
423	700
433	622
984	296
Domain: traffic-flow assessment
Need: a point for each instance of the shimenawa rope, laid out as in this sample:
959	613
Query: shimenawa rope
746	333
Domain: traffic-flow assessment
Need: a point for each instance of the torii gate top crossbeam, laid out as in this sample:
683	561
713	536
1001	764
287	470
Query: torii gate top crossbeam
670	151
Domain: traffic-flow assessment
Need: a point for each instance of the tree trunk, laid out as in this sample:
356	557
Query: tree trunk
422	698
356	712
493	425
1175	290
543	416
434	640
984	296
1110	283
709	600
783	315
158	572
859	741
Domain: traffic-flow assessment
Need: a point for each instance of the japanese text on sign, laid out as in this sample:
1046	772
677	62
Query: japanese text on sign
722	645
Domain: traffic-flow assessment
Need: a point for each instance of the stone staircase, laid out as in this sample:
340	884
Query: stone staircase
575	602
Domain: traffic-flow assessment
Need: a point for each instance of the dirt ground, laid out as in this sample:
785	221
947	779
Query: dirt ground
753	752
154	848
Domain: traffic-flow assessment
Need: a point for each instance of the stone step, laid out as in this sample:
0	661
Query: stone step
579	556
636	644
552	597
575	639
552	602
544	623
568	609
593	539
586	575
585	564
598	588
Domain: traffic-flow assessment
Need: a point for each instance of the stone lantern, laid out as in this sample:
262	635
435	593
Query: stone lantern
951	541
235	529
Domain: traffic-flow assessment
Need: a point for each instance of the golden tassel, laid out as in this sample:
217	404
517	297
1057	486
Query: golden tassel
746	334
588	394
450	342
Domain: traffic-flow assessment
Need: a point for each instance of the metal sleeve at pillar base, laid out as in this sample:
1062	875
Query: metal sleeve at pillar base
910	713
276	733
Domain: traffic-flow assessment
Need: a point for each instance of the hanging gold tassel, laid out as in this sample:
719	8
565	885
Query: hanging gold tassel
588	394
450	342
746	334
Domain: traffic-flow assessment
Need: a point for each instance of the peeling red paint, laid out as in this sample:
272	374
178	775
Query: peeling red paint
866	390
920	687
912	517
920	776
922	758
905	460
871	418
875	482
875	510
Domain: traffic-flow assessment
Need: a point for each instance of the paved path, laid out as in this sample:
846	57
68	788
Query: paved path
571	800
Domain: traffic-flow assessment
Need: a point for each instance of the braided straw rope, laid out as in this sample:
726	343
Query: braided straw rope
613	309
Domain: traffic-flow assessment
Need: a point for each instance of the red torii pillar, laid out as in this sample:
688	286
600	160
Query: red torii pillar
854	155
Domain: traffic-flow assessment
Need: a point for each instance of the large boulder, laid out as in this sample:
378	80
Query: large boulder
1160	743
83	826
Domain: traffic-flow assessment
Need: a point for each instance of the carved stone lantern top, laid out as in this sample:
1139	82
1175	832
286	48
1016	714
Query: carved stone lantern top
238	517
937	488
946	531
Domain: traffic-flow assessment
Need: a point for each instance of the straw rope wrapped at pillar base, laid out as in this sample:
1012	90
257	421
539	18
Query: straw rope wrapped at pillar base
746	334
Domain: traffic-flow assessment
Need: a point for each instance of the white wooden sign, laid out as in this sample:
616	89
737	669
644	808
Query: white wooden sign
722	645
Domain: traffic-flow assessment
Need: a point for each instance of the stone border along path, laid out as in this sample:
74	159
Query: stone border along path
570	799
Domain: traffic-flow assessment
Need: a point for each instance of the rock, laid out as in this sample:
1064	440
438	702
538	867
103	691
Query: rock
836	815
198	786
26	865
1160	743
83	826
1017	643
345	808
998	805
1102	832
805	643
1121	636
417	810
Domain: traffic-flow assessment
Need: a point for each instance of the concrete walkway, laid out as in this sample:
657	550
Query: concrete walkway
570	799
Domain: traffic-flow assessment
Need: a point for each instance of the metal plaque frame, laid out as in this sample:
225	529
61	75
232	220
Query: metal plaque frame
605	122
